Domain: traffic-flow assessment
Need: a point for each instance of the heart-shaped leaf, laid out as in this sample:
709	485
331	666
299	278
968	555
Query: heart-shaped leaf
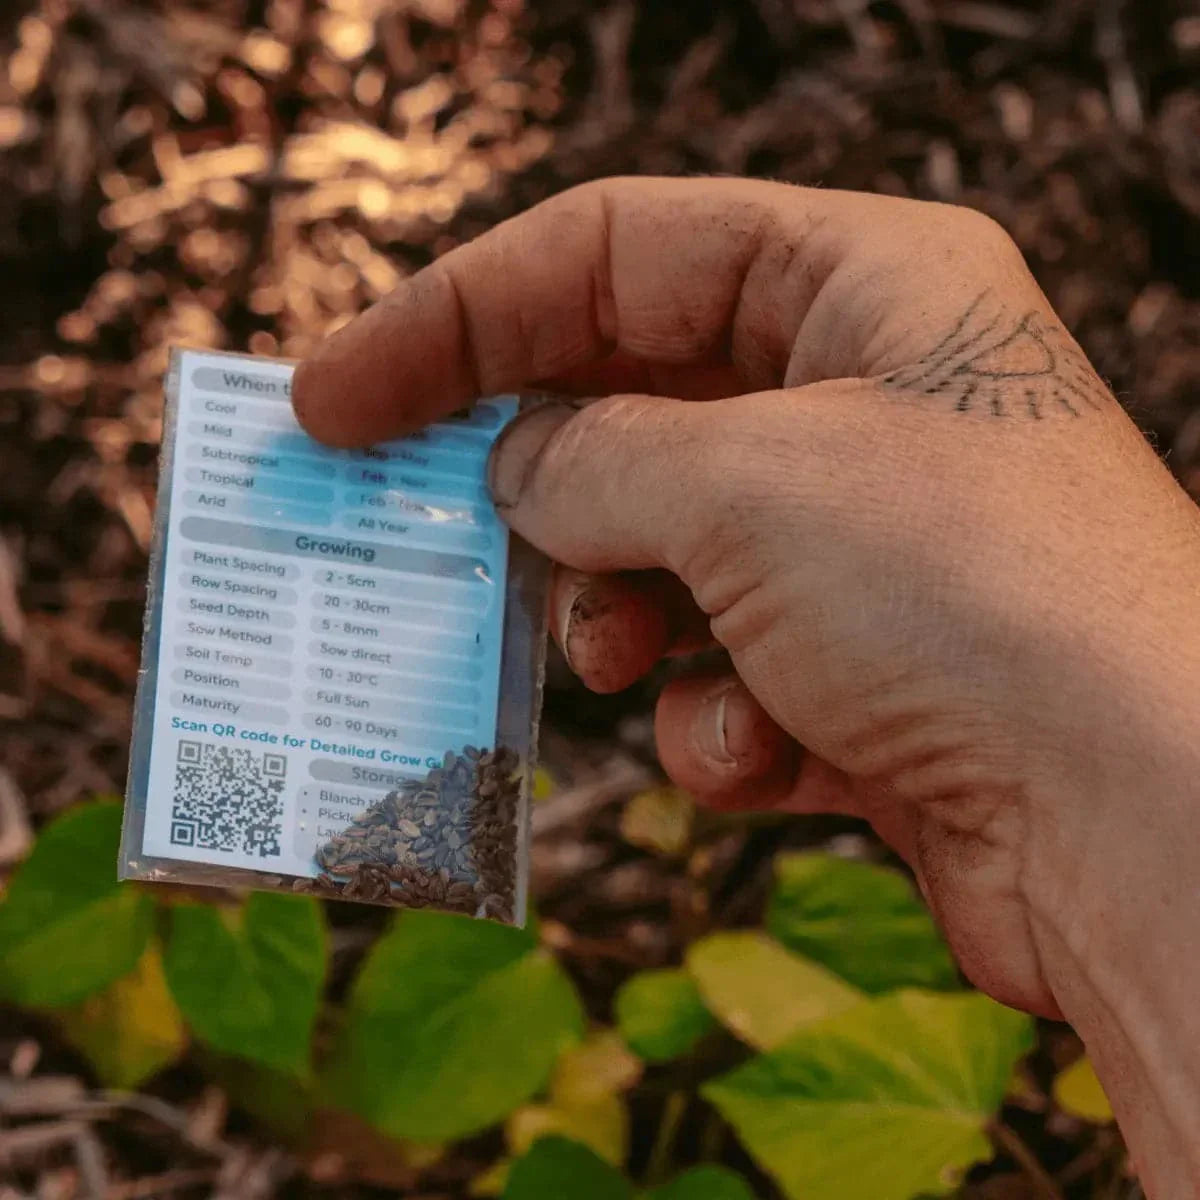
68	928
885	1101
557	1167
451	1024
661	1014
703	1183
131	1030
1078	1092
762	992
250	982
585	1101
601	1124
864	922
659	820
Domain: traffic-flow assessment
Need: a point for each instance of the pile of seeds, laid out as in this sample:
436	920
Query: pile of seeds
447	841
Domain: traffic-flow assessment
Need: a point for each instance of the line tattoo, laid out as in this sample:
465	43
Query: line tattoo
1005	366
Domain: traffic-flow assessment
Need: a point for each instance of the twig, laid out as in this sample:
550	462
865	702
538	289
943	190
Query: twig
1008	1140
573	807
565	942
31	1141
89	1157
16	835
152	1186
712	1138
1098	1154
1123	91
71	637
45	1095
102	1104
12	620
977	16
674	1110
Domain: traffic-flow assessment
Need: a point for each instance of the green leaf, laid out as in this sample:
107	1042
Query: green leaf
600	1065
250	983
280	1101
451	1024
703	1183
659	820
601	1124
762	992
1079	1093
585	1102
131	1030
884	1101
661	1014
68	928
864	922
556	1167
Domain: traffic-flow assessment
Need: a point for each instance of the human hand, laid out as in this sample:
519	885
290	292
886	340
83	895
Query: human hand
957	587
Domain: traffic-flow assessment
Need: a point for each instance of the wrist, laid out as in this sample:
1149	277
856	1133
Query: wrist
1114	891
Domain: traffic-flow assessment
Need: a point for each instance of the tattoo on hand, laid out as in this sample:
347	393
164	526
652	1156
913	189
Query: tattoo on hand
1005	367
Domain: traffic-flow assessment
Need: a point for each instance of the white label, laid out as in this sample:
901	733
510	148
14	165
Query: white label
331	621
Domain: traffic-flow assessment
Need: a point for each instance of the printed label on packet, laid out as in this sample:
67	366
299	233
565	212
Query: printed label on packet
330	622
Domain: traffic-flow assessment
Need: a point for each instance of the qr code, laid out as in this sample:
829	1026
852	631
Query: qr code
228	798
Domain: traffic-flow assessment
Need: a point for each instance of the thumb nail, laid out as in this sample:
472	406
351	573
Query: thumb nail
710	730
521	442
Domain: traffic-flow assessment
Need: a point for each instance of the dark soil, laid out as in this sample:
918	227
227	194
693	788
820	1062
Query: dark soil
170	175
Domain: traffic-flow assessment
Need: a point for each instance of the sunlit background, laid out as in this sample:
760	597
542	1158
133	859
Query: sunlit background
250	174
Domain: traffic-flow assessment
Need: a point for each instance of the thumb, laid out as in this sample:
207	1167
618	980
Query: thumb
622	483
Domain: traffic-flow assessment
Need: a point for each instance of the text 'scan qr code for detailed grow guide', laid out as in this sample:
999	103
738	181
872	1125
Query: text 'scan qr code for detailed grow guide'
324	668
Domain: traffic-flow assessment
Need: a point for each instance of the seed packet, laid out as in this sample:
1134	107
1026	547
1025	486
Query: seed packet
342	658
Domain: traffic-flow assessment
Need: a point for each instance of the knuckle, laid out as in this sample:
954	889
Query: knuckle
571	204
950	242
953	231
983	231
588	198
619	421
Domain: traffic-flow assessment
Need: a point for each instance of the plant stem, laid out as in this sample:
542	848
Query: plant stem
712	1138
658	1167
1008	1140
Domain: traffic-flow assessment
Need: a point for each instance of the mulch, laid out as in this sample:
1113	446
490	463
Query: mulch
248	175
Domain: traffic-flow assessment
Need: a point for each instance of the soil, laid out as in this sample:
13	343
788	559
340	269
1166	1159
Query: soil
200	173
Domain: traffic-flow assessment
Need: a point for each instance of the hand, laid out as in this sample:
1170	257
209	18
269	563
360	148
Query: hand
958	590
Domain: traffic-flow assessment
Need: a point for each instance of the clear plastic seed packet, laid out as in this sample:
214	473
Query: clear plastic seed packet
342	660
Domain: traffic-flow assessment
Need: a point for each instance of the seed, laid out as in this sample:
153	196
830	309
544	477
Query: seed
447	840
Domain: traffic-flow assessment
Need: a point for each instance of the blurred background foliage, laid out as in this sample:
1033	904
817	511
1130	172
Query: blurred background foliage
705	1007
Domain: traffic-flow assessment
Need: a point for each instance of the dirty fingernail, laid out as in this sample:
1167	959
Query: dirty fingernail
569	631
515	454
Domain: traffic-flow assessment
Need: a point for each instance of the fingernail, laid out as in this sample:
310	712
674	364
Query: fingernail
513	457
570	626
710	730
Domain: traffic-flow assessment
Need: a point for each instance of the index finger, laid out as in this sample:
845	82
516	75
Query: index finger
666	270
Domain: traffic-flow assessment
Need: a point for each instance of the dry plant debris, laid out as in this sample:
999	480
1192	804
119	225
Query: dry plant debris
248	174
